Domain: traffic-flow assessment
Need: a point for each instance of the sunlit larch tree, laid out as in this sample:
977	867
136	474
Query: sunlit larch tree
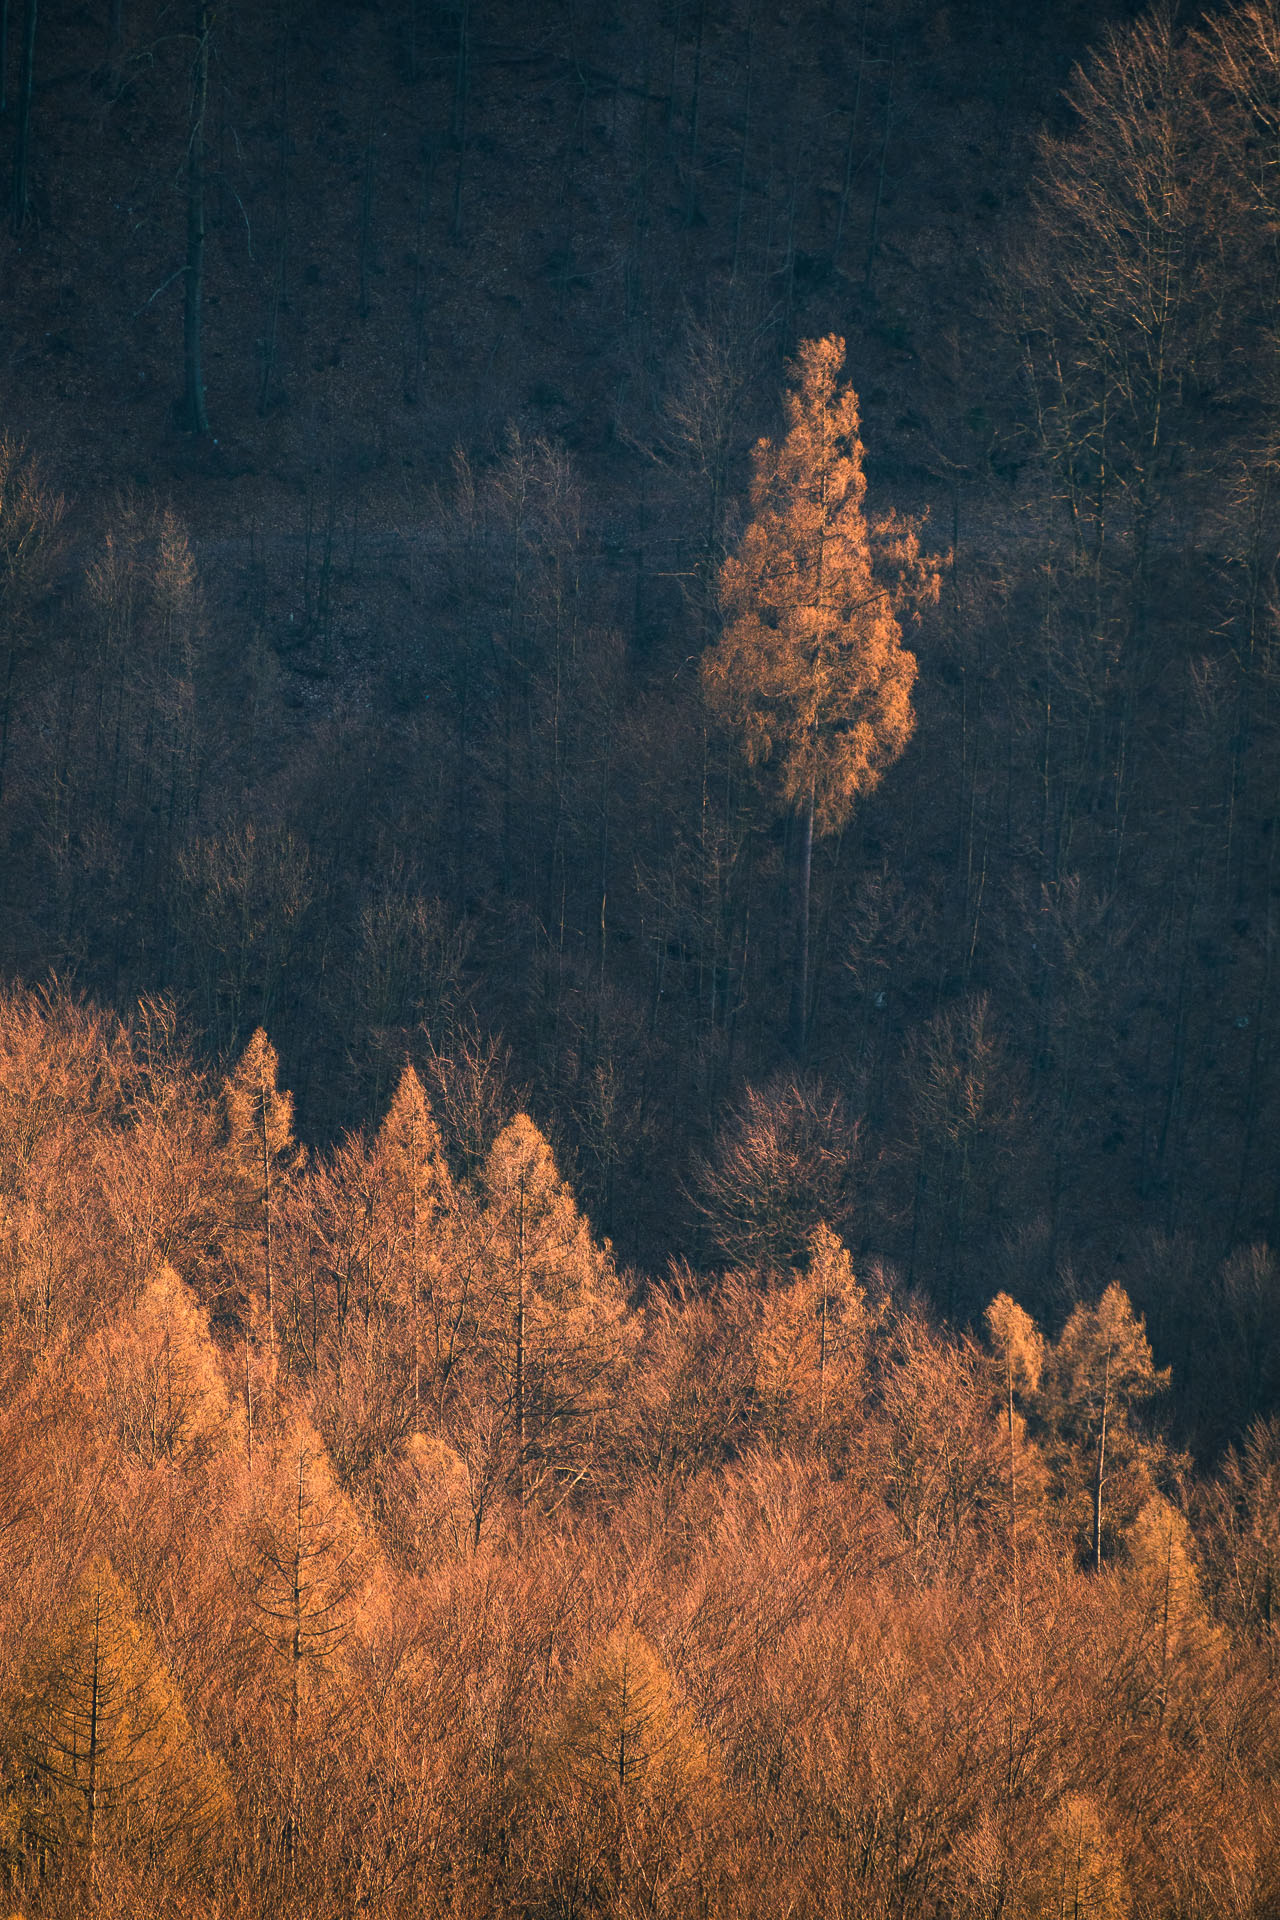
106	1756
551	1328
810	670
416	1194
258	1116
1096	1377
617	1782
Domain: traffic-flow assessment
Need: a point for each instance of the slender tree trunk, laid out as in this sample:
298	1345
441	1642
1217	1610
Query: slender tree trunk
22	132
115	45
461	101
416	1278
193	306
695	112
248	1406
1013	1472
854	118
822	1363
94	1734
746	138
279	290
1100	1477
520	1395
5	712
95	1729
295	1643
366	222
266	1223
874	245
800	977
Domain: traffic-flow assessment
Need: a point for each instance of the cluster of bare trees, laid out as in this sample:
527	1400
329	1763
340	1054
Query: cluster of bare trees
366	1544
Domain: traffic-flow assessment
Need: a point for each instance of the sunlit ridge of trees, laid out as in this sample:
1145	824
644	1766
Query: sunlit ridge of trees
468	1574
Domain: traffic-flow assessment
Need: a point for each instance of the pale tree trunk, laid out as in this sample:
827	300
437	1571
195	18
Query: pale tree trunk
800	977
266	1221
115	45
520	1395
1013	1470
22	133
193	305
1101	1474
822	1364
416	1280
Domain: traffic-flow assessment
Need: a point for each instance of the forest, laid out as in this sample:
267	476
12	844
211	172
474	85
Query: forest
638	752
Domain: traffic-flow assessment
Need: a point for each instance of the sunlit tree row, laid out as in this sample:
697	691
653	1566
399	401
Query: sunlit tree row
371	1543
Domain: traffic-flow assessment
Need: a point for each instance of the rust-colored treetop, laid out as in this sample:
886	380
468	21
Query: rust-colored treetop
810	668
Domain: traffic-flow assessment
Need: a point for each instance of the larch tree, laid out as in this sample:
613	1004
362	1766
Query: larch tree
259	1128
1096	1376
811	1348
810	670
302	1562
552	1330
156	1377
1080	1872
615	1784
107	1752
1019	1348
417	1194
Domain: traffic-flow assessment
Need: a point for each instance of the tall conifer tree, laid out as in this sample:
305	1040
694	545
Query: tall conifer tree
810	670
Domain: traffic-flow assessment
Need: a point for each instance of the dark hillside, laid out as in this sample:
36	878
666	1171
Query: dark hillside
374	715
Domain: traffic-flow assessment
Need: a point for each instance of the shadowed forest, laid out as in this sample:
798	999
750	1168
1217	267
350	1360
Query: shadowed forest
638	762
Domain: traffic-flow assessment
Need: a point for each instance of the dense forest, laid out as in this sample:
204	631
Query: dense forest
666	610
367	1549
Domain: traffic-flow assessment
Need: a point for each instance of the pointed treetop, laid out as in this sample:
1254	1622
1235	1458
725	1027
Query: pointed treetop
535	1214
831	1264
520	1163
408	1142
1017	1342
1108	1342
256	1107
161	1383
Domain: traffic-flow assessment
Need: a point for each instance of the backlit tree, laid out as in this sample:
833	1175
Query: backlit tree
810	670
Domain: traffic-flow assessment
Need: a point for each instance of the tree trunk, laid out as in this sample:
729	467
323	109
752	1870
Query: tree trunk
266	1223
746	136
1013	1469
874	244
95	1730
461	101
855	113
520	1394
800	977
822	1363
115	45
196	417
22	134
1100	1476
